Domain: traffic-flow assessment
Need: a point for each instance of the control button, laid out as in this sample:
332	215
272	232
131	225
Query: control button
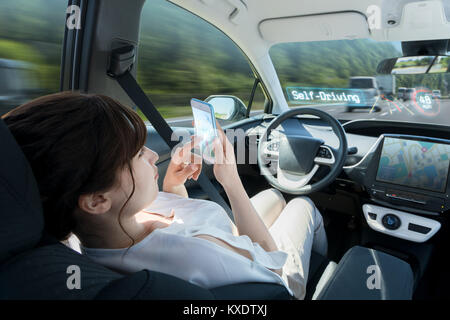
417	228
391	221
377	193
372	215
324	153
273	146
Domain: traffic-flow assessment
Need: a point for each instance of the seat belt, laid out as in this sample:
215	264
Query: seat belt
122	59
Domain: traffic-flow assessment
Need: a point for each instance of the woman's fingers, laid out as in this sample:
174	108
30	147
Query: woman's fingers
195	141
197	167
191	171
195	158
220	132
218	125
219	155
227	146
191	160
183	154
197	174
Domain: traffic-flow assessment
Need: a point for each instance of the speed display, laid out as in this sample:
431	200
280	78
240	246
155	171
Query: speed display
425	102
411	163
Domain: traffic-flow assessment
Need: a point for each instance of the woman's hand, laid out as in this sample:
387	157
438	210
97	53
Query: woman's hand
183	165
247	220
225	169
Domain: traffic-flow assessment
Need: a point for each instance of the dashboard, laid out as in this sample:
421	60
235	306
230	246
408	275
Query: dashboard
396	166
398	170
407	172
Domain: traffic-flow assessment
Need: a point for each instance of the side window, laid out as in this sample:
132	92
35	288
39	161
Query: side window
31	35
181	56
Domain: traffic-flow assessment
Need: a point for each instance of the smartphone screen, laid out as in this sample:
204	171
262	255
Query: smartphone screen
205	127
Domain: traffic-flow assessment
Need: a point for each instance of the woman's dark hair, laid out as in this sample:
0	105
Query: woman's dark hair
76	144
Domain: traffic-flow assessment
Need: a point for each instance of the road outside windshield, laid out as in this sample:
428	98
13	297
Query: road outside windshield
339	77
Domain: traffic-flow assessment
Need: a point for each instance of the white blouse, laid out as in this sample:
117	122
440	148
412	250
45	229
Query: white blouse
174	250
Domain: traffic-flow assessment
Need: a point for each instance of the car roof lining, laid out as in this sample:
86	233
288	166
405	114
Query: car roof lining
241	18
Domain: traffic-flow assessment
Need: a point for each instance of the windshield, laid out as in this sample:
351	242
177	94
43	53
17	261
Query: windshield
340	78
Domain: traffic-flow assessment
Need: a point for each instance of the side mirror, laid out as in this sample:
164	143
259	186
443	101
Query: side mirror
227	108
414	65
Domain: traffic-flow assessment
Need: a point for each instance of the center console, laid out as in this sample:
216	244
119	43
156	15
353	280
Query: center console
367	274
400	224
407	177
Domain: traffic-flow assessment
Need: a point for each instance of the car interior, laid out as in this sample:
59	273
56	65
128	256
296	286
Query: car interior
379	174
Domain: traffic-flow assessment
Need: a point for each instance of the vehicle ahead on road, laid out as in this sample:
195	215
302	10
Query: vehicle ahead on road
401	93
368	87
409	94
386	85
380	181
436	93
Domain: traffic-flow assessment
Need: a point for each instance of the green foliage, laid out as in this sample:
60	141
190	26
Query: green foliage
21	51
36	20
32	31
328	63
331	63
182	56
437	81
44	73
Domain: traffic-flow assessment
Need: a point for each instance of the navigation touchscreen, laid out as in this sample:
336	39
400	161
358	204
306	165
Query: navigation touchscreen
416	164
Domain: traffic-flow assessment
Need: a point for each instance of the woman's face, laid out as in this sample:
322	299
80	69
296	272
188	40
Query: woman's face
145	175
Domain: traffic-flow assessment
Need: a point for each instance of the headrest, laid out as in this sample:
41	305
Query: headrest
21	217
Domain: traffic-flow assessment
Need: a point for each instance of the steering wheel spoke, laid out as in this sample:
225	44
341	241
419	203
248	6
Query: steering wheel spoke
326	155
290	180
271	149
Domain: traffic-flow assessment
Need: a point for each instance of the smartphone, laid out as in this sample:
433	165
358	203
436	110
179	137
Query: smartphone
205	127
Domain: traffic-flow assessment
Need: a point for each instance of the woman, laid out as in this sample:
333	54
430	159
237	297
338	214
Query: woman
98	181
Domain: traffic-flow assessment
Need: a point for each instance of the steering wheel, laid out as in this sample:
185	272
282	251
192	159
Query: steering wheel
298	157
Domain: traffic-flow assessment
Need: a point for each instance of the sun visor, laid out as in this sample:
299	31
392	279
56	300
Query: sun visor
331	26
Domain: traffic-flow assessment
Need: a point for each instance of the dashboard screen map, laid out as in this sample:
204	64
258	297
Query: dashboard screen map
413	163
